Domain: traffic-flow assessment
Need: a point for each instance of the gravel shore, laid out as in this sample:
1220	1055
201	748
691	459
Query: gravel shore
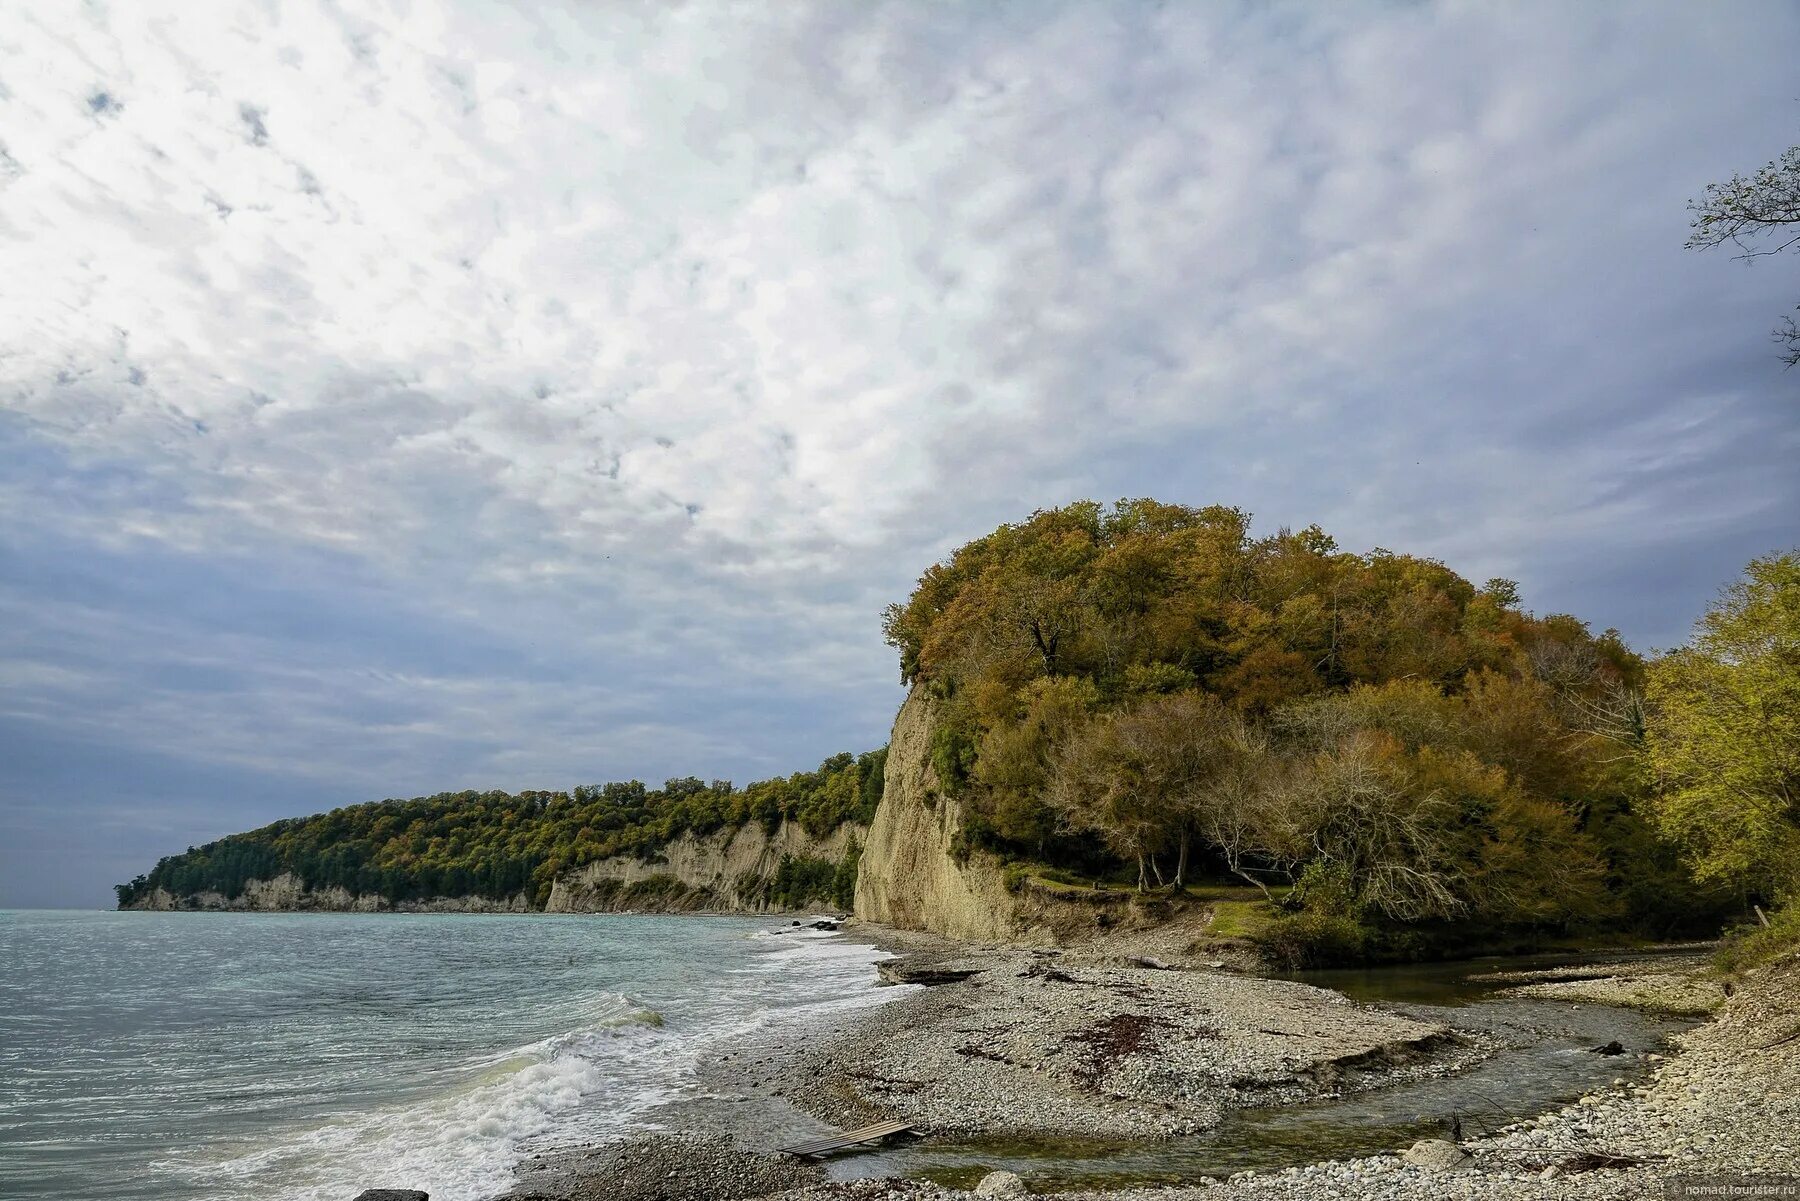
1725	1106
1675	985
662	1167
1036	1043
1080	1043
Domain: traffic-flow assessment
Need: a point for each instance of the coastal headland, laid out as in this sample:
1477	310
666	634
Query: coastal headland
1149	773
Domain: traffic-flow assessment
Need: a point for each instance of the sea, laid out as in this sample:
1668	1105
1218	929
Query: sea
305	1057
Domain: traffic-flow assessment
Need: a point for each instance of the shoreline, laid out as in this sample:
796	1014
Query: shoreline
991	1055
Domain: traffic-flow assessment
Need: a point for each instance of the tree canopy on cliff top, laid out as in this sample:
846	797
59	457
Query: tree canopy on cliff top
499	844
1130	682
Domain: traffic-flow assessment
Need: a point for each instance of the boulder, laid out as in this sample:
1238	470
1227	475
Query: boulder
1001	1184
1436	1155
392	1194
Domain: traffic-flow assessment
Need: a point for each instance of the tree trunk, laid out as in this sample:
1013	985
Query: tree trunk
1251	879
1237	869
1156	870
1181	862
1140	860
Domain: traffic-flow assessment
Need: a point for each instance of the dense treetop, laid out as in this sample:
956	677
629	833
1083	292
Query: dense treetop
1145	597
1135	682
498	844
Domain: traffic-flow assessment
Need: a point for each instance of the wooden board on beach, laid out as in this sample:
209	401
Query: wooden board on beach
849	1138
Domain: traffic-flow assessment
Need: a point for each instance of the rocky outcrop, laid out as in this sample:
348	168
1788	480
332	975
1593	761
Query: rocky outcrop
287	893
911	876
726	871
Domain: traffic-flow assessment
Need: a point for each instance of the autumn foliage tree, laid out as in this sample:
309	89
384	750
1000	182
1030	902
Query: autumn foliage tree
1145	683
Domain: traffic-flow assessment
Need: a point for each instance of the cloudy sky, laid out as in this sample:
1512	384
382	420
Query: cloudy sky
406	398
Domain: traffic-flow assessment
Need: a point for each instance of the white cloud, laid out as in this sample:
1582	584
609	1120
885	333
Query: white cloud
688	334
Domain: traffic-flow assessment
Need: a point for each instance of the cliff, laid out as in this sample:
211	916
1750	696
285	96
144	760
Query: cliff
288	893
910	876
726	871
729	871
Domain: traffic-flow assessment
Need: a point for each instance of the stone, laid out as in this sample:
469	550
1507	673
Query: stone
1437	1155
1001	1184
392	1194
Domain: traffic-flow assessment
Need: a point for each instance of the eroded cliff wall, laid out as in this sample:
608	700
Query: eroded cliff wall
909	875
727	871
287	893
730	871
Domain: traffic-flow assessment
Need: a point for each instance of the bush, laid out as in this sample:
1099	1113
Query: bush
952	756
1749	946
1313	939
843	884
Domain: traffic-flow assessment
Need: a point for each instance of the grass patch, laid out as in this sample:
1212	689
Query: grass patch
1240	918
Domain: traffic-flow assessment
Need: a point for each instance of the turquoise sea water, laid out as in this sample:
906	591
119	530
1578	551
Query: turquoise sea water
303	1057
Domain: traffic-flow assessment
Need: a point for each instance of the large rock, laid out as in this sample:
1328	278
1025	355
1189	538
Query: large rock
1001	1184
1436	1155
392	1194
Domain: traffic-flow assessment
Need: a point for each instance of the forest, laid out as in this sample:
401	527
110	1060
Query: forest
1389	752
499	844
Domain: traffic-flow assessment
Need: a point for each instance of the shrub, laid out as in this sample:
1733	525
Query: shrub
952	756
843	883
1749	946
1312	938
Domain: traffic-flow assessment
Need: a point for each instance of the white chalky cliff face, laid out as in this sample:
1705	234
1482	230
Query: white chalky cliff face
728	871
908	876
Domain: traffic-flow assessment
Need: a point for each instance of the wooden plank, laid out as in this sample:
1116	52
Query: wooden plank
850	1138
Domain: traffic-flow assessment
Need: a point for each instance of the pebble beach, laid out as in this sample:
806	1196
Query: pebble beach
1086	1043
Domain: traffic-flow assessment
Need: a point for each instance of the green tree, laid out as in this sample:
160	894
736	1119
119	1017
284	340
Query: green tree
1724	734
500	845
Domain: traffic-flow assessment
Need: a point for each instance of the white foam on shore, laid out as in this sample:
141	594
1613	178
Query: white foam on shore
588	1084
461	1143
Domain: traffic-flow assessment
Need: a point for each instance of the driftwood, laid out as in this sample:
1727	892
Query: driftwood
1580	1161
1589	1161
900	973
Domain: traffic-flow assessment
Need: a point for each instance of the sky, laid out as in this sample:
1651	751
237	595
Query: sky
416	397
